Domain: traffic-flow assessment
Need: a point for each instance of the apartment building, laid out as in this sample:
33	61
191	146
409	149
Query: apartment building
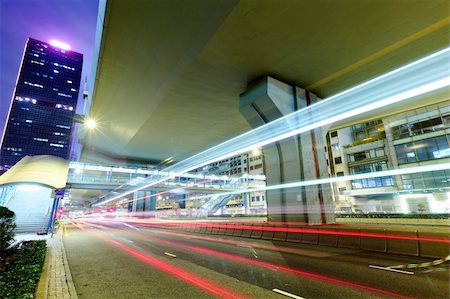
409	139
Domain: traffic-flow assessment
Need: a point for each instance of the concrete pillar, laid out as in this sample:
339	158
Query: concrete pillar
298	158
246	203
150	201
134	203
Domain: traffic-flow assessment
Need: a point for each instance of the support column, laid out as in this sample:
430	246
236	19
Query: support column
134	203
297	158
246	203
150	202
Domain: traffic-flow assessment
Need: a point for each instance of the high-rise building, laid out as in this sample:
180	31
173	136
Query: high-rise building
44	103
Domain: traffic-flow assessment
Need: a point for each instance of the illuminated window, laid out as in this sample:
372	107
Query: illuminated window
334	146
25	99
33	84
56	145
37	62
40	139
64	95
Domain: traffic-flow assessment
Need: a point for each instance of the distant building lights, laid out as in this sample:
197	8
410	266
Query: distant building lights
59	44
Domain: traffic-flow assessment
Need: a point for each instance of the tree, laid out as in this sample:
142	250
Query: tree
7	226
421	207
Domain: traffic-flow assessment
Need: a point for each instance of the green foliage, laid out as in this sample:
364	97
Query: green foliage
363	141
7	225
382	215
23	270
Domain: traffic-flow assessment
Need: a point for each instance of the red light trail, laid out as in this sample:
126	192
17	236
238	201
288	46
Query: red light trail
259	227
203	284
267	265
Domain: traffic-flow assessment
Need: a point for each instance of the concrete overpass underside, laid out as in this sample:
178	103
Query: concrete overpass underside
170	73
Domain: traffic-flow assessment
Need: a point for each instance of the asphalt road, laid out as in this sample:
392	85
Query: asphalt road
114	259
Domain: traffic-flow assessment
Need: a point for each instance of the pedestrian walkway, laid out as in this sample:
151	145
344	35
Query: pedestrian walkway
56	281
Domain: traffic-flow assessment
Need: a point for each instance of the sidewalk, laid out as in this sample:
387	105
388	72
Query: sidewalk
56	281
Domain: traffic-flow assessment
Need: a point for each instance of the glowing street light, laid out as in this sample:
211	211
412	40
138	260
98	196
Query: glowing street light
90	123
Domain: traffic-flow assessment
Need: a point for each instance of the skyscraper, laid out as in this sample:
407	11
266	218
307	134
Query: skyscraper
44	103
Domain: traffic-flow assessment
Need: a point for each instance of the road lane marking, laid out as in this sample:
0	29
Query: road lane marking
423	265
130	226
249	247
287	294
245	246
170	254
254	253
391	269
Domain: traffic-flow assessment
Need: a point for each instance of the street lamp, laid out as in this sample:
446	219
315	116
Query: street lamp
90	123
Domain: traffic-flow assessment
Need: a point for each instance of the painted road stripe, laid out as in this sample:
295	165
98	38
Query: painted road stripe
390	269
129	225
170	254
245	246
287	294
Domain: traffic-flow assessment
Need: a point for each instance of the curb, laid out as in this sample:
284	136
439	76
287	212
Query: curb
42	287
69	280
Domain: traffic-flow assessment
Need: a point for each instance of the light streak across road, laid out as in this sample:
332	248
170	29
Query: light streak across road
418	78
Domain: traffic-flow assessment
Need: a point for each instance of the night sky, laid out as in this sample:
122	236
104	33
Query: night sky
70	21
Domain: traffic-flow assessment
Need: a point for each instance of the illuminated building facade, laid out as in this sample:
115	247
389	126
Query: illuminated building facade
44	103
410	139
251	163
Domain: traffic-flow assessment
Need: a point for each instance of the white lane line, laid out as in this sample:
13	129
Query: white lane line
170	254
129	225
287	294
391	269
245	246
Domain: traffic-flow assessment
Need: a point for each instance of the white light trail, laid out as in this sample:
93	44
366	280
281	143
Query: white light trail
428	74
392	172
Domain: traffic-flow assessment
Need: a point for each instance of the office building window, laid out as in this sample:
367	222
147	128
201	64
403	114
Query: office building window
335	146
423	150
